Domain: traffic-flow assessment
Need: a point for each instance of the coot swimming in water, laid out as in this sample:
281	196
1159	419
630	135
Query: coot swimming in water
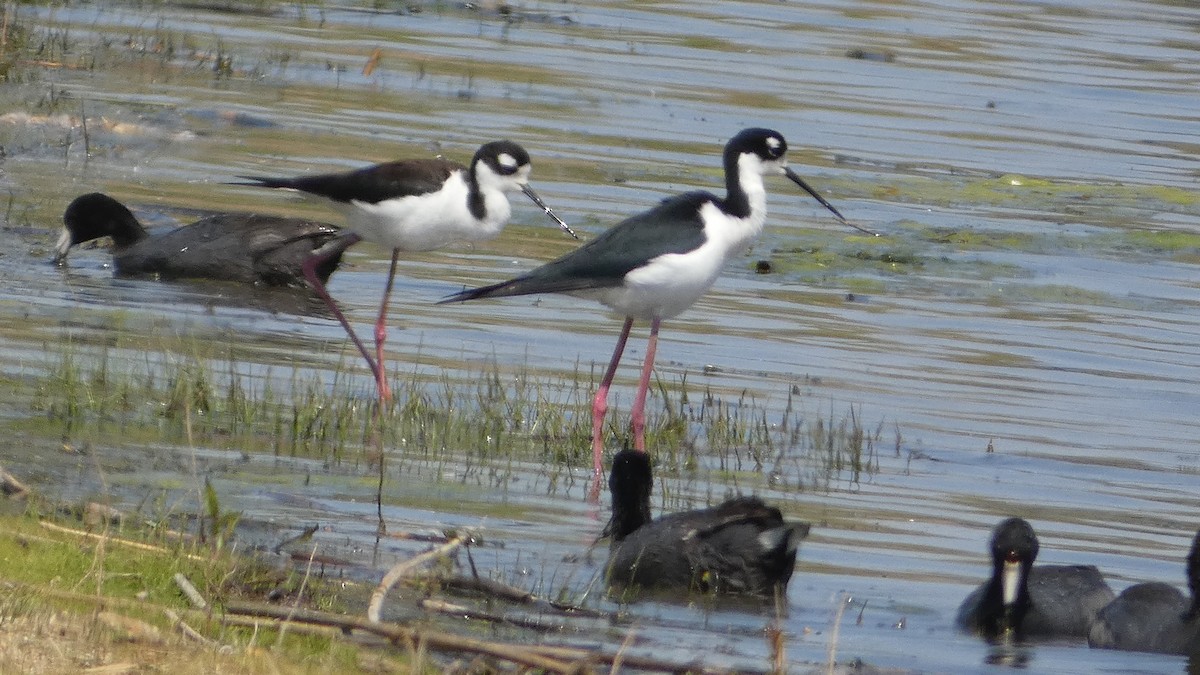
245	247
740	546
1154	617
1024	601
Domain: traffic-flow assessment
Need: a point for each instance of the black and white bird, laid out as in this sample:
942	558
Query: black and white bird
244	247
415	205
654	265
1022	601
741	546
1154	617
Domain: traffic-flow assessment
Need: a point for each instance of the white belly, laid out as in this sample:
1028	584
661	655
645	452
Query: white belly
429	221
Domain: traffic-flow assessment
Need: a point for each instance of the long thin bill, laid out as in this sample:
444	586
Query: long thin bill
538	200
800	181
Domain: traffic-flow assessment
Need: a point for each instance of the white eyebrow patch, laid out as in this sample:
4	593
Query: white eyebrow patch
506	160
772	142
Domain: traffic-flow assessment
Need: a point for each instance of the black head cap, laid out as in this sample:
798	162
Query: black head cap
768	144
504	158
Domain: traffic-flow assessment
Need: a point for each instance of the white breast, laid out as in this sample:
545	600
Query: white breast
672	282
429	221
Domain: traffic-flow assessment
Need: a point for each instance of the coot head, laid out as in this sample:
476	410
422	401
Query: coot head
96	215
630	483
1014	548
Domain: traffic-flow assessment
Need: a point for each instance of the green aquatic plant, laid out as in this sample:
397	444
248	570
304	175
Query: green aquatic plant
220	524
200	393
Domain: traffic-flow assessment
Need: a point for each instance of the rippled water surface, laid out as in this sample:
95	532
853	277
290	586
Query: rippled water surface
1032	167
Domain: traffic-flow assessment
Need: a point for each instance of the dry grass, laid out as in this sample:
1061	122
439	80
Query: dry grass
89	602
56	641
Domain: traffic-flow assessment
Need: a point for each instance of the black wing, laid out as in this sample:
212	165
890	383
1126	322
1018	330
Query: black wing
243	247
372	184
673	226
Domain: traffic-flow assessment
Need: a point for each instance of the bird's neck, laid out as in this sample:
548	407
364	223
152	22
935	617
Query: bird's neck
745	196
487	204
126	231
745	201
630	513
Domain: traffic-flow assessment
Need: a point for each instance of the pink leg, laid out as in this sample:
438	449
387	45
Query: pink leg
600	405
385	392
309	268
638	416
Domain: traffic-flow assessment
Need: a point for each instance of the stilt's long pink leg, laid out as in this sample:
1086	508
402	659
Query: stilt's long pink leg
385	392
309	268
638	416
600	404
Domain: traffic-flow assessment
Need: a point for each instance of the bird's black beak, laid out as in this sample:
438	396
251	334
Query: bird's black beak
538	200
800	181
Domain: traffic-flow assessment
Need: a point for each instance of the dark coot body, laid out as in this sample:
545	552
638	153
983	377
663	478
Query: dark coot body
1154	617
741	546
245	247
1028	602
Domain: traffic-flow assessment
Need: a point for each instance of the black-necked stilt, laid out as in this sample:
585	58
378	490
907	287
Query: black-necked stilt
245	247
1024	601
654	265
740	546
416	205
1154	617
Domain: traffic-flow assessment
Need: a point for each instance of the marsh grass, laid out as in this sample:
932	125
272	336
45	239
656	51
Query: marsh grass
201	393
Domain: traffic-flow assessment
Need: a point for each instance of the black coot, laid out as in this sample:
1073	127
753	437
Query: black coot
1023	601
1154	617
741	546
244	247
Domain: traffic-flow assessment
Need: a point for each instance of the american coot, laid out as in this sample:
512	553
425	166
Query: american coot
741	546
415	205
1024	601
245	247
654	265
1154	617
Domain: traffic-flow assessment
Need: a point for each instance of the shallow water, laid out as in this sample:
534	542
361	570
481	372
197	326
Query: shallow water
1032	167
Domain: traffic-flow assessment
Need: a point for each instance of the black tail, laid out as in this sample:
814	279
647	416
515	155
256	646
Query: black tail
263	181
492	291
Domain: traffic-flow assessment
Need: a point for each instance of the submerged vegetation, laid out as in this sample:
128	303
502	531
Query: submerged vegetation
203	396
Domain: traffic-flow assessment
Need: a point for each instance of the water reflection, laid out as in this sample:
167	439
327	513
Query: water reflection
1010	655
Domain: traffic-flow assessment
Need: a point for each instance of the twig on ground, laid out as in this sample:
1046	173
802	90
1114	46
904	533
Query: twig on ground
190	591
518	654
116	540
522	620
491	587
299	594
401	569
9	485
188	632
504	591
